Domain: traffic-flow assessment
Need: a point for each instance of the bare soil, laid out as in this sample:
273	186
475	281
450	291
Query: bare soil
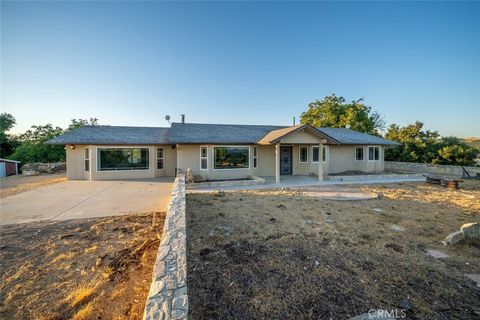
285	255
78	269
12	185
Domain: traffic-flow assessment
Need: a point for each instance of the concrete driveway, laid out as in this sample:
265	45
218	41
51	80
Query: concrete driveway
86	199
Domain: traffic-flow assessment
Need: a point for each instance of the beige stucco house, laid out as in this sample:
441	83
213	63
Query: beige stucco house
218	151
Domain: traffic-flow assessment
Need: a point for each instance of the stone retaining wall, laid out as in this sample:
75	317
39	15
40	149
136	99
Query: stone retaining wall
430	168
167	298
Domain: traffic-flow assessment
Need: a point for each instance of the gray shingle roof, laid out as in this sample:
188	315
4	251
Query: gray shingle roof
184	133
348	136
196	133
112	135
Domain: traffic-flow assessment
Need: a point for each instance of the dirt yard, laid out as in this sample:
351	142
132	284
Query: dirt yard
78	269
285	255
17	184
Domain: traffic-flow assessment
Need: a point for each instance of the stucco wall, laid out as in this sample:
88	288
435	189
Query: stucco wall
76	171
188	156
75	163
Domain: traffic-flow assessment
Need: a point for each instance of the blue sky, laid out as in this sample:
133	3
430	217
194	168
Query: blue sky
131	63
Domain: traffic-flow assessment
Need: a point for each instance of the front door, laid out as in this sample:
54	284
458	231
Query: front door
285	160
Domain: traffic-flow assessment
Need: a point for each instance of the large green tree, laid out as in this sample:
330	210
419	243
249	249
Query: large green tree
8	142
427	146
32	146
333	111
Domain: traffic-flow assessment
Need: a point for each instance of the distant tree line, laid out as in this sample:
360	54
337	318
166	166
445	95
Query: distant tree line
30	146
417	145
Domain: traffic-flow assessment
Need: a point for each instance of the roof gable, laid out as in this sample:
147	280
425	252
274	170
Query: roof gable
288	134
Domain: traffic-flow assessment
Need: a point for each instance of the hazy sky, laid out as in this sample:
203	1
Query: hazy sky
131	63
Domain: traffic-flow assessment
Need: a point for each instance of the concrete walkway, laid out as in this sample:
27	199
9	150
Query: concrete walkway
86	199
307	181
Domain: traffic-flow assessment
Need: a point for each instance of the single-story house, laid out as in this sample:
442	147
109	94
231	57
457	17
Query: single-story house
218	151
8	167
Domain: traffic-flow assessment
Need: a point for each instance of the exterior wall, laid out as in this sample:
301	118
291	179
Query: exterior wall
75	163
76	167
339	159
300	137
266	161
188	157
342	158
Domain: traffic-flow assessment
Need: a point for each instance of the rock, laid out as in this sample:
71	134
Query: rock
471	230
437	254
397	228
475	277
38	168
455	237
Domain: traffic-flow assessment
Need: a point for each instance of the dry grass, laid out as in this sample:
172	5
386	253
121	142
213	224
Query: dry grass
79	295
17	184
274	254
87	312
78	269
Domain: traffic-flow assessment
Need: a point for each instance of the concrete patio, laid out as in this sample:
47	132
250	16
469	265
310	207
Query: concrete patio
305	181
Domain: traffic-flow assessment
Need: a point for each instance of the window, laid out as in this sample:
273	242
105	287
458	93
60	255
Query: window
359	153
303	155
87	159
203	158
160	159
324	154
373	153
116	159
314	154
231	157
255	157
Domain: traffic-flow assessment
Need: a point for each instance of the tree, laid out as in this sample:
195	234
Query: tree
7	142
32	146
34	149
427	146
82	122
333	112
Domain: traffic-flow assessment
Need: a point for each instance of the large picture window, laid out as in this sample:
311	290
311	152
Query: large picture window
117	159
231	157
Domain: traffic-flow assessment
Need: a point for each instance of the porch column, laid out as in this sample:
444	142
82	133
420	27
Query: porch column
320	162
277	163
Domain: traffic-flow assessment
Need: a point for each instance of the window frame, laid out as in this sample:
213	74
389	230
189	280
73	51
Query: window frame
86	157
326	153
373	160
162	158
98	149
202	157
231	146
363	153
255	157
300	154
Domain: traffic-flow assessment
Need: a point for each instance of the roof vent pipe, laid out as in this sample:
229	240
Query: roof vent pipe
293	121
183	118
